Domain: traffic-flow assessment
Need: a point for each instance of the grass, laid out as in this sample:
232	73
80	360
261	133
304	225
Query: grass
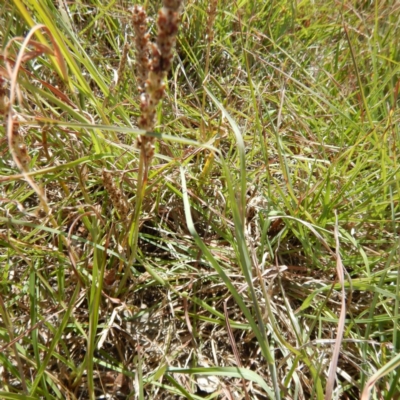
259	257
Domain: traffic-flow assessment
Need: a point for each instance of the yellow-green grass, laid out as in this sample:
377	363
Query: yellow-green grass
275	134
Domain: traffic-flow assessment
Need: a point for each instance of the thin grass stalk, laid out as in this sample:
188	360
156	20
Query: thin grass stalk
259	127
133	238
139	374
94	308
34	295
340	328
10	330
212	12
360	85
234	347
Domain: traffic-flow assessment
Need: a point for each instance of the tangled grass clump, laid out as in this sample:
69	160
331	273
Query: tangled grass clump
199	202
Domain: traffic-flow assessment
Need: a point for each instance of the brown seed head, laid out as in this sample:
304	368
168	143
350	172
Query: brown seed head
116	195
159	60
139	19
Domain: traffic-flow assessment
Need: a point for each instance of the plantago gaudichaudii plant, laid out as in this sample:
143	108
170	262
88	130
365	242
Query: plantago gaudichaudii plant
153	61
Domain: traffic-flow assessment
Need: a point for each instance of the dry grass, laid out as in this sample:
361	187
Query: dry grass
205	226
